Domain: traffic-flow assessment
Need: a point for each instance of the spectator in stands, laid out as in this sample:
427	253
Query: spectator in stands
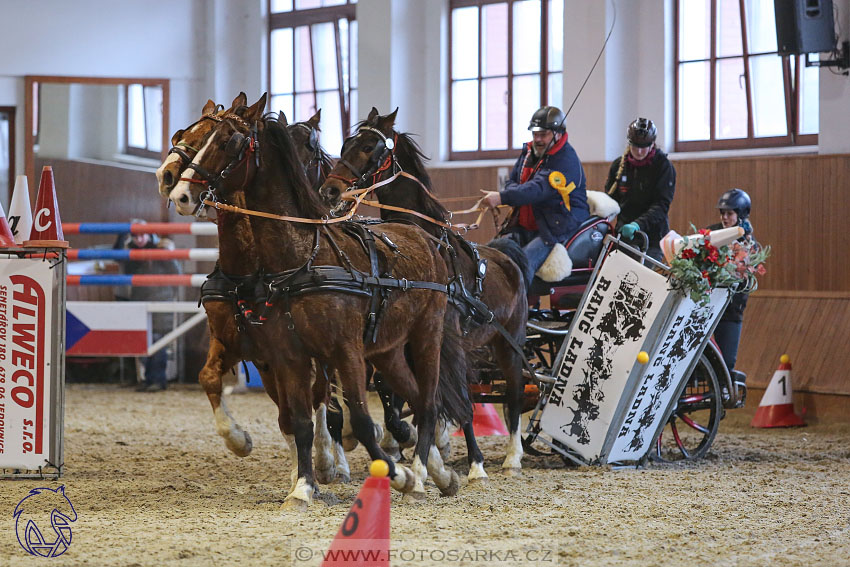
643	181
162	323
546	189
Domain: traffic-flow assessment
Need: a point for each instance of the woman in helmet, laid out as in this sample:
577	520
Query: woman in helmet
543	216
642	181
734	206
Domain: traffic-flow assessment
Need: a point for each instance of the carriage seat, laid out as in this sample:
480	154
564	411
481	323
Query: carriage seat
583	248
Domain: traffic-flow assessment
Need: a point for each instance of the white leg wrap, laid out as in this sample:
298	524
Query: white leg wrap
325	470
236	439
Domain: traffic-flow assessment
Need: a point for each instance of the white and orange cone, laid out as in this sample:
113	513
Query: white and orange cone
364	537
7	240
20	210
46	225
776	408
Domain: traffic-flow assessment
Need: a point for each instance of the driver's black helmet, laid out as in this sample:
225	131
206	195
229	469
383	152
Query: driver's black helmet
642	133
736	200
548	118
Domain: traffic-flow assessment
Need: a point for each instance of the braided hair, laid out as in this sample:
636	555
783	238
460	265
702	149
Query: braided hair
619	172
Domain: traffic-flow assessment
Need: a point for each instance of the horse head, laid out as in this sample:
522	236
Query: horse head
186	142
369	151
229	154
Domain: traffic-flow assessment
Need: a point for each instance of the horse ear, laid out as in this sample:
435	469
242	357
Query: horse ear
240	100
281	117
372	114
385	123
209	107
315	119
255	111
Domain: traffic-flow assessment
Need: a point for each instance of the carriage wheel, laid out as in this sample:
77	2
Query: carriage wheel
691	428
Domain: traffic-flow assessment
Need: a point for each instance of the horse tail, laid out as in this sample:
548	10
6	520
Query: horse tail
511	248
452	395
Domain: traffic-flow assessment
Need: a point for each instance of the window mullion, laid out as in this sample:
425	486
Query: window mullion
745	48
510	75
480	76
544	52
712	82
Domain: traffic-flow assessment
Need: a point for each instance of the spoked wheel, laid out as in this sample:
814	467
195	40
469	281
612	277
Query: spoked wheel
691	428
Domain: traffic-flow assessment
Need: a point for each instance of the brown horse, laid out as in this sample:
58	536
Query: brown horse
374	154
331	324
305	136
228	344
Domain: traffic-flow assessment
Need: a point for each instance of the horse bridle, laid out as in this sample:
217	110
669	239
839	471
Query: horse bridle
240	148
181	153
312	144
384	150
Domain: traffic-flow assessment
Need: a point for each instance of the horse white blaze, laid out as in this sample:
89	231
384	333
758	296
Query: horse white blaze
181	195
234	436
161	170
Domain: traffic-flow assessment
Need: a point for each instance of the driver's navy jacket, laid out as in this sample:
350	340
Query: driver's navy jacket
554	222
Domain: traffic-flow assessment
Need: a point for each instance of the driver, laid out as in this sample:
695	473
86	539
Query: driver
546	189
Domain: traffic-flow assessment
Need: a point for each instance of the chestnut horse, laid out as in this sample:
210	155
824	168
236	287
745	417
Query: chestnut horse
227	344
373	154
246	156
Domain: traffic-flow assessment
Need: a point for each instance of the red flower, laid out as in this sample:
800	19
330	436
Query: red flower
688	253
705	275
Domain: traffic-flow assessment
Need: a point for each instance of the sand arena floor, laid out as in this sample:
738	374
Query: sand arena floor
153	484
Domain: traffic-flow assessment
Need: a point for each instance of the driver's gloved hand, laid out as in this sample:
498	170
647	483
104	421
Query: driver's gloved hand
629	230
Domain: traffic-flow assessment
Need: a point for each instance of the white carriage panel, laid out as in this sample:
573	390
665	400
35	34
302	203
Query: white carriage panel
26	355
680	342
605	337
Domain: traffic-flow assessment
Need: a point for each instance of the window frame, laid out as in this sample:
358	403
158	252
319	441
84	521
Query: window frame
791	91
9	111
129	150
307	17
510	152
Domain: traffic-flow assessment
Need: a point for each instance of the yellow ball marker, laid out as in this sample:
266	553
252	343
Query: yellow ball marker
643	357
784	359
379	468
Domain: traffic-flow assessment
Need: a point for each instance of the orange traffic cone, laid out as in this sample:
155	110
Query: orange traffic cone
46	224
20	210
776	408
485	422
364	537
7	240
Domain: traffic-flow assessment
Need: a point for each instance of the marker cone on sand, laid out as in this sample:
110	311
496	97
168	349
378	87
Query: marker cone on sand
46	224
776	408
20	210
364	537
485	422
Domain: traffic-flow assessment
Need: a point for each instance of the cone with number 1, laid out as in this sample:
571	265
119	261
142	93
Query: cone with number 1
364	538
46	224
776	408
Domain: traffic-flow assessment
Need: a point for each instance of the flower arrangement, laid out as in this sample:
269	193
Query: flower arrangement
699	267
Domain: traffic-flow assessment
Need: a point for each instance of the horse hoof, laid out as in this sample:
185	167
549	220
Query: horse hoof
393	453
453	487
409	480
349	444
411	441
479	481
413	497
294	505
343	478
326	476
240	450
512	471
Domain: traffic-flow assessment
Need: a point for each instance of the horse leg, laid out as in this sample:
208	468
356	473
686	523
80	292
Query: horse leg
334	414
325	465
511	365
297	415
398	432
352	373
219	361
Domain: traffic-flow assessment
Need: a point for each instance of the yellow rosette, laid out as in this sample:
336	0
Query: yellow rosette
559	182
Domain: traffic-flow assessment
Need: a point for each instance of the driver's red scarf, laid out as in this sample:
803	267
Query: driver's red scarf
526	215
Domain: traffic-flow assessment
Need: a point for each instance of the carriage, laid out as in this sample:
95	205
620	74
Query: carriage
591	400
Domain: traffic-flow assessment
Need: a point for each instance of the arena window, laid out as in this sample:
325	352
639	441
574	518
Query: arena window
506	61
733	90
143	120
313	63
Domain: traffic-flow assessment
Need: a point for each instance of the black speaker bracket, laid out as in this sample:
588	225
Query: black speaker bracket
841	59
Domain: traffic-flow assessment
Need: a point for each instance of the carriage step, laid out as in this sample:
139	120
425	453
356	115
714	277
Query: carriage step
545	378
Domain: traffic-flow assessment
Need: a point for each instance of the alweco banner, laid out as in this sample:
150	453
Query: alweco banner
26	355
681	341
605	338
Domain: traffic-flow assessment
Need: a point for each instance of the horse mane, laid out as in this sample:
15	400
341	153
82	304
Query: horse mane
278	143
